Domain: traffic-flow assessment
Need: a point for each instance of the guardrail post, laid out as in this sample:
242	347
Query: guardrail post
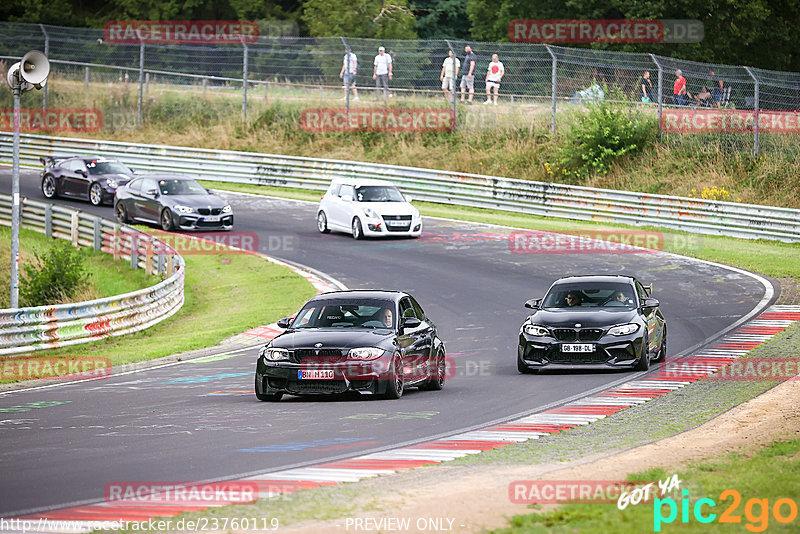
116	242
134	252
755	111
553	81
141	82
98	235
73	228
161	260
148	262
170	264
660	92
48	221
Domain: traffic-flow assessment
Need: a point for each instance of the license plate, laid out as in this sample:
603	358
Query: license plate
213	218
577	347
397	223
315	374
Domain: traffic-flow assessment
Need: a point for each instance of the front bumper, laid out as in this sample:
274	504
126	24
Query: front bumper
609	351
380	228
283	377
193	221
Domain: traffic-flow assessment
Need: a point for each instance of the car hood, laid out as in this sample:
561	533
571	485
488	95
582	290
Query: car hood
596	317
194	201
388	208
333	338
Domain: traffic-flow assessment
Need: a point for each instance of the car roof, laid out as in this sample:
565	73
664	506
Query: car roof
87	159
362	294
166	177
358	182
596	278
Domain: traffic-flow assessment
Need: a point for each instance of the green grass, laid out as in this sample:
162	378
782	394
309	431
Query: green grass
106	277
770	474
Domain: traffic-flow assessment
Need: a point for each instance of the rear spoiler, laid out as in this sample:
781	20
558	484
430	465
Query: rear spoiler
51	161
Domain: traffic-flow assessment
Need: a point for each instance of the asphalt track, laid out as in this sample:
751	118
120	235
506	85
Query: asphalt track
197	420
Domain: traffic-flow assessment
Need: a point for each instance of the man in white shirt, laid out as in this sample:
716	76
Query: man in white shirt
382	72
494	74
348	75
449	73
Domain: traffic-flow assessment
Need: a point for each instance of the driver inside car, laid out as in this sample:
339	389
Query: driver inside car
386	317
573	299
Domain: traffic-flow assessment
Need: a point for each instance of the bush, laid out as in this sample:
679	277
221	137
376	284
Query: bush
54	277
603	135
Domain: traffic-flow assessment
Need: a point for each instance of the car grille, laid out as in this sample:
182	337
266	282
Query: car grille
310	387
574	334
598	356
621	354
208	224
207	211
397	218
403	228
330	355
535	354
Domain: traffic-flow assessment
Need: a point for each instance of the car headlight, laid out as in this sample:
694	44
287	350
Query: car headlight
274	355
623	329
371	213
536	330
415	213
184	209
227	209
110	182
365	353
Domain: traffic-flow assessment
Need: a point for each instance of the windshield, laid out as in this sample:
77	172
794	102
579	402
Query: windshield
107	167
378	193
590	295
346	313
181	187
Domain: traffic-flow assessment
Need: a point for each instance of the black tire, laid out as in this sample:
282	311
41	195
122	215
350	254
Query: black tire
166	220
322	223
644	361
436	382
49	189
121	213
395	380
358	231
524	369
96	194
273	397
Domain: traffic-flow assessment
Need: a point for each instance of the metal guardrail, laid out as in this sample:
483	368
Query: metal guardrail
475	190
45	327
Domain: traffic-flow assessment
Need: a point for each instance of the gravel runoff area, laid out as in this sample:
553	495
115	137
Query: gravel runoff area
702	420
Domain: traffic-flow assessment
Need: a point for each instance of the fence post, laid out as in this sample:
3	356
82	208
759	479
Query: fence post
85	78
146	82
455	85
98	236
553	90
47	54
141	81
205	84
660	92
48	221
266	93
244	80
755	111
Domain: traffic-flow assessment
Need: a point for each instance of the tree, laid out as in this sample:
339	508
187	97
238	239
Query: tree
442	19
362	18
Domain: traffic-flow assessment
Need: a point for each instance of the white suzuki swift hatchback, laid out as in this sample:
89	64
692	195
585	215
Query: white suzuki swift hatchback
365	207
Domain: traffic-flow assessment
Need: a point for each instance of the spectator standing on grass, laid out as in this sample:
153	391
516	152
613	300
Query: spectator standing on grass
449	74
647	87
348	75
494	74
382	73
679	92
716	87
468	73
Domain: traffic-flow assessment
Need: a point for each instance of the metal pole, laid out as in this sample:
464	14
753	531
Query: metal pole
244	81
85	78
15	207
46	53
660	92
553	91
455	77
755	111
141	81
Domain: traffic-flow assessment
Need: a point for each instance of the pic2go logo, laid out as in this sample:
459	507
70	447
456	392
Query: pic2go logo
756	511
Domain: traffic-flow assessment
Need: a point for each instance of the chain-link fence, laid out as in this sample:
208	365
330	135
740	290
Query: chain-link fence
540	84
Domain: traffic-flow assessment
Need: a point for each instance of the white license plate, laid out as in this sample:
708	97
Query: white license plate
315	374
397	223
213	218
577	347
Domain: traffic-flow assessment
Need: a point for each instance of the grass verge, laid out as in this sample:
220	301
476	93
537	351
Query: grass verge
224	295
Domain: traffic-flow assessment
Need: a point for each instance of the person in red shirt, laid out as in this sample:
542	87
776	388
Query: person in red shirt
679	92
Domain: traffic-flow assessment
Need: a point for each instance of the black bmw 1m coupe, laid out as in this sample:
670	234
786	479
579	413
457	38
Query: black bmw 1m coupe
593	321
375	342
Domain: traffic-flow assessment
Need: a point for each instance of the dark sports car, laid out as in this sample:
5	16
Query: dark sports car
173	202
87	177
585	321
377	342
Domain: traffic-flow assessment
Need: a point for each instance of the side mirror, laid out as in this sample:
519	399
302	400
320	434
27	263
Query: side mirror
409	198
533	304
284	323
650	303
133	171
410	322
81	172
